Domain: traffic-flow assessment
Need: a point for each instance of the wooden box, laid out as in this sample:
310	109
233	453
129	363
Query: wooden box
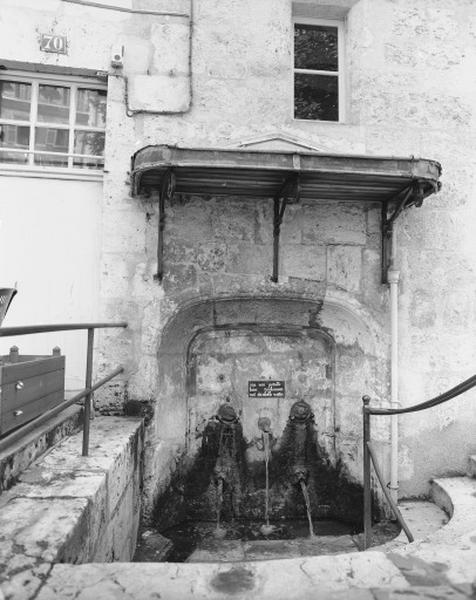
29	386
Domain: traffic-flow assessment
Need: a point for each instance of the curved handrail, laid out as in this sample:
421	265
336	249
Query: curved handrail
462	387
370	457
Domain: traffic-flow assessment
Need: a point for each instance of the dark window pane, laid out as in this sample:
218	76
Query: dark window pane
53	104
51	139
13	157
315	97
15	136
315	47
88	163
51	160
15	100
91	108
89	142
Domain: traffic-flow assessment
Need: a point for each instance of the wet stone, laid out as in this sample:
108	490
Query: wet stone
234	581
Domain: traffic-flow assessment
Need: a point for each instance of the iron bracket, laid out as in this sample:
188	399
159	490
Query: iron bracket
166	193
410	195
289	189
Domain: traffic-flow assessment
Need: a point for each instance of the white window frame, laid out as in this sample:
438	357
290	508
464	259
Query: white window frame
340	73
29	168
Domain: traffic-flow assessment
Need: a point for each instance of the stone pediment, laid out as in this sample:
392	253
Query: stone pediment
279	141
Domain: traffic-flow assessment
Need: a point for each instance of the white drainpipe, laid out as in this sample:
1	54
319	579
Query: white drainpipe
393	277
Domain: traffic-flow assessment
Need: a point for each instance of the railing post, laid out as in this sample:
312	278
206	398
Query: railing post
88	398
366	461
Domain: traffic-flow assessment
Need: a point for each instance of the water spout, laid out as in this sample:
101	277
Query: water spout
301	416
305	493
265	425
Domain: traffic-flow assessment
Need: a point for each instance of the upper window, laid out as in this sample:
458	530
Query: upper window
318	70
52	123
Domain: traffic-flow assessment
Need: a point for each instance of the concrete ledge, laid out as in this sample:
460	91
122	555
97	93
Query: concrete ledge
449	554
443	565
74	509
22	453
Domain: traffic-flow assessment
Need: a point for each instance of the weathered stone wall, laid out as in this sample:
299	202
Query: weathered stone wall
410	91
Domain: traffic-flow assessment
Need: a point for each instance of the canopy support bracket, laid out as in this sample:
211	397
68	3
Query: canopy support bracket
290	188
166	193
411	194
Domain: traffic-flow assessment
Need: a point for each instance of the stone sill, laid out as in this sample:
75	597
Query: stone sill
50	173
74	509
17	457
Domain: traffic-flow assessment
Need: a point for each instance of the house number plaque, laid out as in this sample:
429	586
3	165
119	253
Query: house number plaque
266	389
57	44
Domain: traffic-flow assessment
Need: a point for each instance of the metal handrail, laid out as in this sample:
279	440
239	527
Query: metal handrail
370	456
462	387
26	329
85	393
389	498
49	414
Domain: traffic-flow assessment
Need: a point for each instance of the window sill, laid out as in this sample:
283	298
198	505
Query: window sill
320	121
50	173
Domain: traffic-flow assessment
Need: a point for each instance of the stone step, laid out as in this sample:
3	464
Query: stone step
471	472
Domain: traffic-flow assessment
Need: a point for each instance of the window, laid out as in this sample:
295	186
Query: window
318	70
50	122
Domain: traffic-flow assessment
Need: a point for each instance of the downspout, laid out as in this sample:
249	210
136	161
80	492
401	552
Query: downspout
393	278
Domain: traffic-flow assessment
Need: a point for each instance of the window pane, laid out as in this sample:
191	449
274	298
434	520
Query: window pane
88	163
51	139
53	104
315	47
15	100
15	136
89	142
316	97
91	108
13	157
52	160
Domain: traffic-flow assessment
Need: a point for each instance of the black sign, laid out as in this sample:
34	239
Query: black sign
266	389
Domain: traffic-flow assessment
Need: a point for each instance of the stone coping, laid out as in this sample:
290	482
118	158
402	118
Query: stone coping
66	508
20	454
33	543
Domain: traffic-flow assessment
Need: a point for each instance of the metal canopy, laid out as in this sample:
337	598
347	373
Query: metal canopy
397	183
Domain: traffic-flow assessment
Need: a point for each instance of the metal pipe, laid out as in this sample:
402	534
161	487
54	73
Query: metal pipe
366	464
388	496
133	11
89	397
393	277
20	433
27	329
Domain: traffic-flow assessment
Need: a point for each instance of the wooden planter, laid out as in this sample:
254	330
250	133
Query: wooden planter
29	386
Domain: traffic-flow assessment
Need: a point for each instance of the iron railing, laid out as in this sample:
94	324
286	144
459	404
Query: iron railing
370	455
86	393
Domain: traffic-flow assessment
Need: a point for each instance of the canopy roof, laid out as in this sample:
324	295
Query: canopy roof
262	174
396	183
